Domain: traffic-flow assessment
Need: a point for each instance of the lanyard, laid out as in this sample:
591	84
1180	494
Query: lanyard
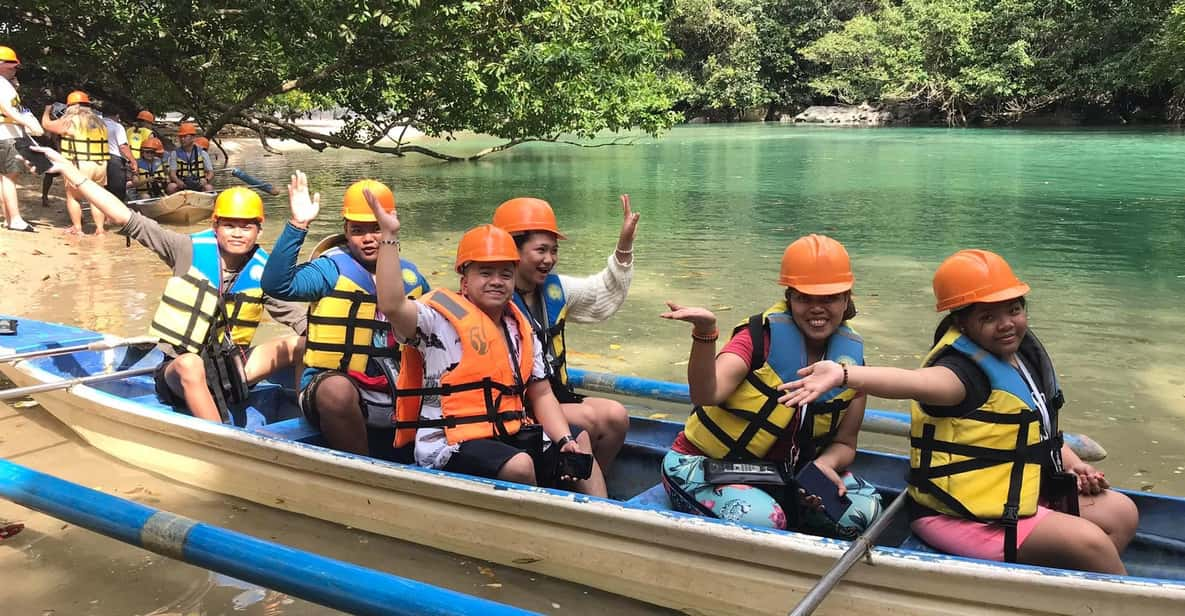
801	416
1038	398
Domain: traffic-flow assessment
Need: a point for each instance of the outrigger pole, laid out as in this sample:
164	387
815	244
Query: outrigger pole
332	583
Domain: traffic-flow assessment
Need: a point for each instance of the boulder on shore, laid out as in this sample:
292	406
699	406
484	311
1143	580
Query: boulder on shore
844	115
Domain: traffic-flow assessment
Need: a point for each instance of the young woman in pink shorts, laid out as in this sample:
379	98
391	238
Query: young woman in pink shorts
989	475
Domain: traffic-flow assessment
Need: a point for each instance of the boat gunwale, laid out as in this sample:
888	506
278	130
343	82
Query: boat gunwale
748	545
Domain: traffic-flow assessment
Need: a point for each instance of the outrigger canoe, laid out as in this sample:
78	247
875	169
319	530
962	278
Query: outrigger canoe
630	544
184	207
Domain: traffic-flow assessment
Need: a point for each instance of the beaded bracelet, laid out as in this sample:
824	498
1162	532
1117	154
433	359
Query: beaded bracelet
844	383
712	337
394	242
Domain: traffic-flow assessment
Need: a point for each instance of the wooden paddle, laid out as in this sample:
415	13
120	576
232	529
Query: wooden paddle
860	545
21	392
99	345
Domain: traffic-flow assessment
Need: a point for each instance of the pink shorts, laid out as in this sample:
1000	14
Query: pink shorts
970	538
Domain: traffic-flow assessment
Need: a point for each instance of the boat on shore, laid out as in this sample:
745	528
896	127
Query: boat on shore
184	207
630	544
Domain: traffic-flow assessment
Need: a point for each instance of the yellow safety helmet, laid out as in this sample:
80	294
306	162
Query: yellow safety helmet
238	202
354	206
8	55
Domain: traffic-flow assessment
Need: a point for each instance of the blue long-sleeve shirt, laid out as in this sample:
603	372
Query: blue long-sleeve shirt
284	279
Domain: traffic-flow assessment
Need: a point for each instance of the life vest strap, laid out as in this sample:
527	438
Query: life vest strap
1032	454
374	324
352	349
453	421
1011	419
450	389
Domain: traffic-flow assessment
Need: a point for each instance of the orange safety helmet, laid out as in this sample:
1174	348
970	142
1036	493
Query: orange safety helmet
187	128
816	265
238	202
78	97
974	276
485	244
525	214
354	206
8	55
154	144
202	143
146	116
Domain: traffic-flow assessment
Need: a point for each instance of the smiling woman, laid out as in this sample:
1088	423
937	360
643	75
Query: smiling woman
990	477
737	417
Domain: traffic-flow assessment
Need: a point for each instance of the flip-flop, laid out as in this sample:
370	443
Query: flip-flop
28	229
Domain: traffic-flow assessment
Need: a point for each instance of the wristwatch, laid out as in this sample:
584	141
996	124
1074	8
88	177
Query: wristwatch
564	440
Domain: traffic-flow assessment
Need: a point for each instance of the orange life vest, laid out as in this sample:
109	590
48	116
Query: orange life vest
480	397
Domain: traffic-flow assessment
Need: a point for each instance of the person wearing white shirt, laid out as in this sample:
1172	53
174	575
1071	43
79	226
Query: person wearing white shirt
121	153
13	125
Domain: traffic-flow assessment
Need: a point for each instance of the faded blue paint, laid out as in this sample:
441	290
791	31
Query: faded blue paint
329	582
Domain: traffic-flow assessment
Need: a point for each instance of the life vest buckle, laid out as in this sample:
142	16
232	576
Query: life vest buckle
1011	514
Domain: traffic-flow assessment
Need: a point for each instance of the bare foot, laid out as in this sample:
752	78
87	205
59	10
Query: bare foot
74	231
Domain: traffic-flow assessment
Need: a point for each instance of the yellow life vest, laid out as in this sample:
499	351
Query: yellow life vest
191	165
551	330
986	465
148	172
189	307
345	331
137	136
750	421
83	144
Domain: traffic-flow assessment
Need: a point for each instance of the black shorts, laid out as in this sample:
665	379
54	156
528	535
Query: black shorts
164	393
374	408
176	399
486	457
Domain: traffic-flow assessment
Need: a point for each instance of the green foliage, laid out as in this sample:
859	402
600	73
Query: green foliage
994	58
522	70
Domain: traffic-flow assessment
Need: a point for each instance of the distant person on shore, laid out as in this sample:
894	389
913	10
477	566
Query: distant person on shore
551	300
223	265
142	130
14	125
989	475
84	143
122	162
189	166
151	177
352	359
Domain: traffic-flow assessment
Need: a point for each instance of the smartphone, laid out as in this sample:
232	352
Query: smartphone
813	481
575	465
38	160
